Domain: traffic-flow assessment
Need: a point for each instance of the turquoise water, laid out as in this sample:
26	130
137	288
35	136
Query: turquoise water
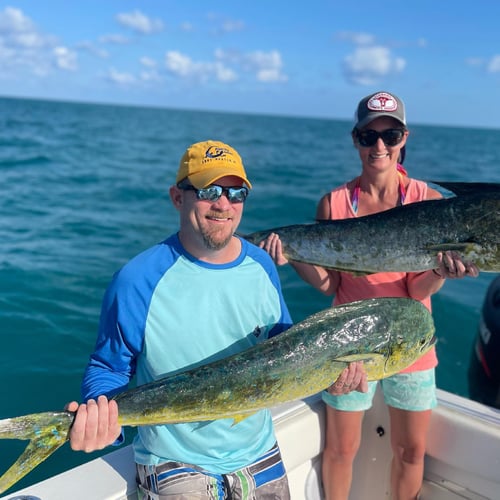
85	187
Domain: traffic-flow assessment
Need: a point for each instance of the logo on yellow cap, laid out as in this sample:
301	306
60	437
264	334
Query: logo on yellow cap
205	162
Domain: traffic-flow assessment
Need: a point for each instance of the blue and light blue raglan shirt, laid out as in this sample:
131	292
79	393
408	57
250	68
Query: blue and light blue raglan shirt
166	311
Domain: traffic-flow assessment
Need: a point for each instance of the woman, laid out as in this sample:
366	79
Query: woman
380	136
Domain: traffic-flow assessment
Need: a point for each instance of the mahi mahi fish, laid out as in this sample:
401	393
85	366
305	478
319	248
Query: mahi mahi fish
387	334
403	239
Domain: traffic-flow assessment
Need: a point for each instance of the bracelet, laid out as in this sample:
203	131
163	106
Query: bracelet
437	274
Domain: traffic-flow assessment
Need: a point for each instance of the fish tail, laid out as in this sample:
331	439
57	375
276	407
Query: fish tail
45	431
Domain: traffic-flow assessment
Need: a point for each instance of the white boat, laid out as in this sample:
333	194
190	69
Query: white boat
462	459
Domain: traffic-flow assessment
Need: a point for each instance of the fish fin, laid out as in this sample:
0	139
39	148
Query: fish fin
353	272
366	358
459	247
358	274
238	418
467	188
203	424
46	433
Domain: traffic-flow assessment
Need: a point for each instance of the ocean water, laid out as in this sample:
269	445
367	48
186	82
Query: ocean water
85	187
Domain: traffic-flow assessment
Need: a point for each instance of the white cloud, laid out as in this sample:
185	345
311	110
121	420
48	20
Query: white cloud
224	74
150	76
221	26
265	66
121	78
114	38
491	65
187	27
148	62
230	26
474	61
228	56
65	58
23	47
180	64
183	66
138	21
270	75
356	38
370	62
93	49
18	31
12	20
494	64
369	65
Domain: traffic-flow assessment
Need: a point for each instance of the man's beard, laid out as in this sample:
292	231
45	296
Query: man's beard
212	242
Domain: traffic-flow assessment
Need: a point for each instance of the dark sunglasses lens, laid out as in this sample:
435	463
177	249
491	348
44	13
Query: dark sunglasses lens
392	136
368	138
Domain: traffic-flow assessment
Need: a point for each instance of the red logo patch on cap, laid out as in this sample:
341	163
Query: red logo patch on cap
382	102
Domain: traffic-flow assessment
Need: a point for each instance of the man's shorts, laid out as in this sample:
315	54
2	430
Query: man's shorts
415	391
265	479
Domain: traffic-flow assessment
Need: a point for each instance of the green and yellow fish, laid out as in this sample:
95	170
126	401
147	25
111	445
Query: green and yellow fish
402	239
387	334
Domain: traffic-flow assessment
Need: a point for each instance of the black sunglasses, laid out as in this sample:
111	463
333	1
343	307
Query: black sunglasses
390	136
214	192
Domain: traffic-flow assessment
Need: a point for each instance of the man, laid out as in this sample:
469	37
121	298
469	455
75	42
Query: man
200	295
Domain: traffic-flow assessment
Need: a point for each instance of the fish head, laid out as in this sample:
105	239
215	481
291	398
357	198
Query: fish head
404	350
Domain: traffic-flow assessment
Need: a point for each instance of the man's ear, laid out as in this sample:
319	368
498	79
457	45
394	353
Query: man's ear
176	196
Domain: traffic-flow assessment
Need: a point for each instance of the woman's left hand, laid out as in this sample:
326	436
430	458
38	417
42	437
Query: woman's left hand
451	266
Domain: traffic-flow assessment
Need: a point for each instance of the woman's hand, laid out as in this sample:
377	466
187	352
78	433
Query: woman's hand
451	266
272	245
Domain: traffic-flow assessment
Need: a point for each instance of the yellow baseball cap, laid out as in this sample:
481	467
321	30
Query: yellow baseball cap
205	162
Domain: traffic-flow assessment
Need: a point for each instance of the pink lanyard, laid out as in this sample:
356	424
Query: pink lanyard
402	189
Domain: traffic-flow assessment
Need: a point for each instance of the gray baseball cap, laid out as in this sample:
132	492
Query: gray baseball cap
377	105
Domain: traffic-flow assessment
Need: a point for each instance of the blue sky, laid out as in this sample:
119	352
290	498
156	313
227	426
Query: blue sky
301	58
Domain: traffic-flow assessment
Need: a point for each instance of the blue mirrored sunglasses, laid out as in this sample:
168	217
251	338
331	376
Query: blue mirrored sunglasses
214	192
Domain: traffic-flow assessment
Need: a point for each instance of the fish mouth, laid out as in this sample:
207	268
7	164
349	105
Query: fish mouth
428	345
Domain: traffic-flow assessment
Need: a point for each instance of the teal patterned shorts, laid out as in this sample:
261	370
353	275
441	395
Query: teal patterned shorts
415	391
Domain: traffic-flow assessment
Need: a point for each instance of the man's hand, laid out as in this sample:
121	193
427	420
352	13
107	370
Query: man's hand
95	425
352	378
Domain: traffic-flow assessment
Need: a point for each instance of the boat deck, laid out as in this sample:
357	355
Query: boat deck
462	462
